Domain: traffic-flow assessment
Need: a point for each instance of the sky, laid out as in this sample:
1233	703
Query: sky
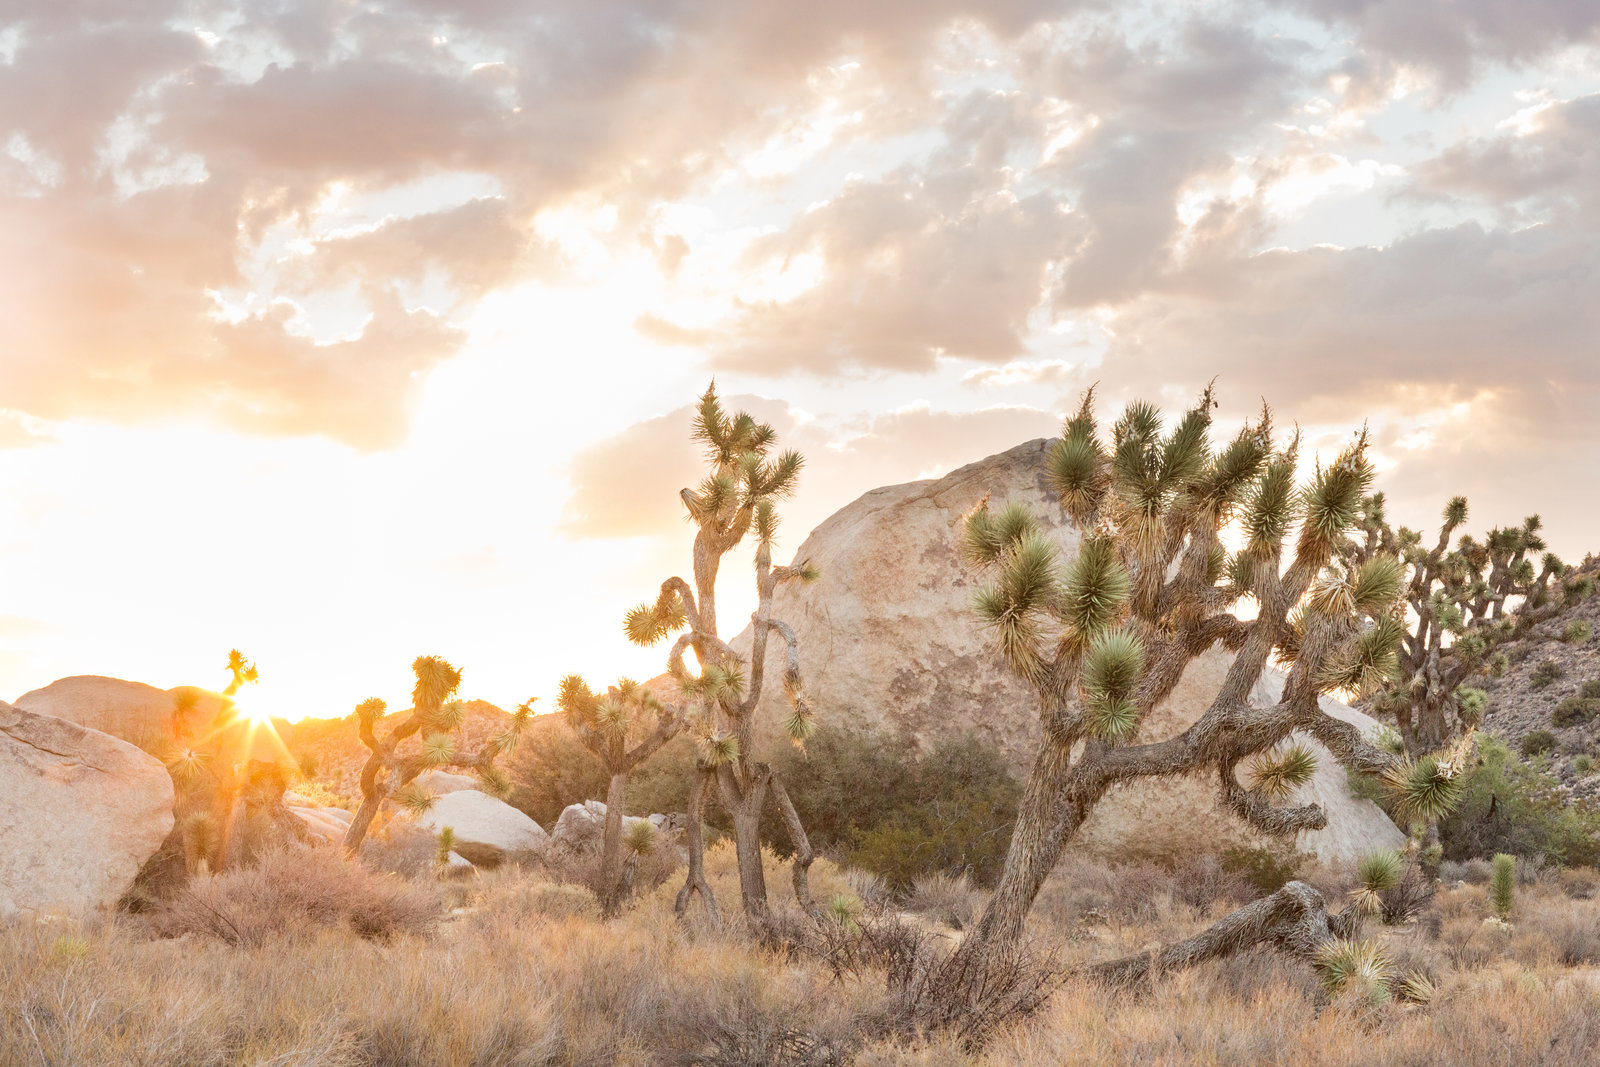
346	332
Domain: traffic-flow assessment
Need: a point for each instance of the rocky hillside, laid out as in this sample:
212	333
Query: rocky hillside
1548	671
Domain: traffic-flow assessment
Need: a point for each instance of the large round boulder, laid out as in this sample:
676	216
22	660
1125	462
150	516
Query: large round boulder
488	832
80	813
888	639
138	713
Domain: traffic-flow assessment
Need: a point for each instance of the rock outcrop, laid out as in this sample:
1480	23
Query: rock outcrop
80	813
488	832
888	639
326	826
441	782
135	712
582	827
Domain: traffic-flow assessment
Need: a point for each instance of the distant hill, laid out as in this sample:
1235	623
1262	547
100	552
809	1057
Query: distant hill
1520	705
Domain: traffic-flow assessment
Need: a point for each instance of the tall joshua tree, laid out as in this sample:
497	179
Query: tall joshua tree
423	740
737	498
1464	603
1106	636
604	725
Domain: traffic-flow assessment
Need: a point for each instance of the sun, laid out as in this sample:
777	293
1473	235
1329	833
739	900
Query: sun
246	706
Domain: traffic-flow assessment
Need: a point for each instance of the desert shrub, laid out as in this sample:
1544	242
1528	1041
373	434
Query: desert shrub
1579	883
945	898
401	848
1583	765
1537	742
1574	711
292	893
1574	936
1510	806
1577	631
1591	689
550	769
1202	881
864	796
1544	673
1267	869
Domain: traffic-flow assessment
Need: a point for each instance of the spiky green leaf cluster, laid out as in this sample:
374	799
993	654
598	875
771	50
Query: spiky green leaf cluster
1376	872
1078	466
1332	502
495	782
1094	594
649	623
1424	789
1277	774
1368	662
438	749
1345	963
640	838
1270	508
437	682
719	749
987	535
724	682
414	797
1111	671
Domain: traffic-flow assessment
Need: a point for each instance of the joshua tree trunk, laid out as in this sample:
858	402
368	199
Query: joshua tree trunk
694	835
1294	920
611	851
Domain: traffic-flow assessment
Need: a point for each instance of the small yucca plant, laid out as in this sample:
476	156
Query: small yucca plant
446	841
1377	871
1503	885
641	838
1346	963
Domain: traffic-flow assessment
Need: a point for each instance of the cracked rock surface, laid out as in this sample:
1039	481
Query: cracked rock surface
80	813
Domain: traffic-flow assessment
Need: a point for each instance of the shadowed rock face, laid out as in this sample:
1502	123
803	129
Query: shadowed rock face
80	813
888	639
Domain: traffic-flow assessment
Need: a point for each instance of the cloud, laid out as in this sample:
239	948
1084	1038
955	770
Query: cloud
1548	170
1454	39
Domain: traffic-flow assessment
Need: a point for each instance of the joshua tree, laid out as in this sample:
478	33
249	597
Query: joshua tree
603	724
1104	637
433	717
737	497
1464	603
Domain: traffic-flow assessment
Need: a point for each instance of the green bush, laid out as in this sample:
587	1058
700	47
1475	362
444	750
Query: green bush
1509	806
550	769
1582	765
1538	742
864	797
1591	689
1266	869
1577	631
1544	673
1574	711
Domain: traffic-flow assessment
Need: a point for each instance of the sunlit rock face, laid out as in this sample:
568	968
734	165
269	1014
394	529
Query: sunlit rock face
488	832
135	712
80	813
888	639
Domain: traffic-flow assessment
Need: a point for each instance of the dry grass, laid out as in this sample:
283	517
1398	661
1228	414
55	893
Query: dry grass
520	971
